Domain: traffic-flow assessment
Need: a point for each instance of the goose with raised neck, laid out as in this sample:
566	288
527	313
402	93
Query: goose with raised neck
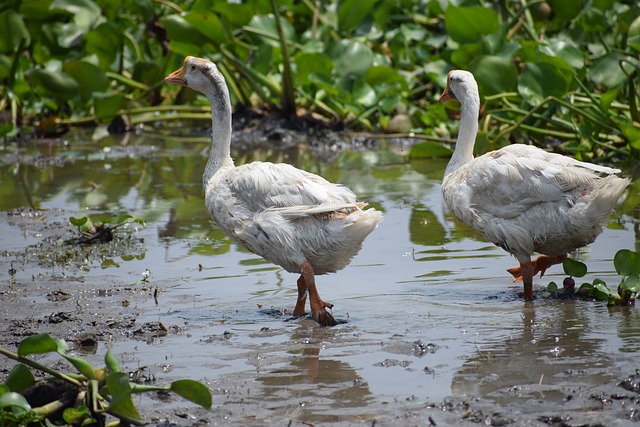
290	217
522	198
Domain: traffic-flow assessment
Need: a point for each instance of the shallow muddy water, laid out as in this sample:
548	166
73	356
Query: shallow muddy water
432	330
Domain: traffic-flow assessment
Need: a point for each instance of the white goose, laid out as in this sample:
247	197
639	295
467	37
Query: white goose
290	217
522	198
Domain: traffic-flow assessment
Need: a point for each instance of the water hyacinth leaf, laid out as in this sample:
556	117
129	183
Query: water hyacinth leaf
14	32
85	12
89	77
41	343
468	24
111	362
308	63
429	149
565	50
324	82
121	400
20	378
180	30
606	70
262	29
208	24
381	74
574	268
540	80
627	262
104	41
78	415
82	366
363	94
488	67
352	12
552	287
631	283
351	57
193	391
565	10
600	291
16	402
106	106
59	84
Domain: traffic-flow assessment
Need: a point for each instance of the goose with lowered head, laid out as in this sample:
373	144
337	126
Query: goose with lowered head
523	198
290	217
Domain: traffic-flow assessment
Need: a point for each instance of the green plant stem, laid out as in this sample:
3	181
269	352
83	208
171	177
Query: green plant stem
53	407
36	365
288	96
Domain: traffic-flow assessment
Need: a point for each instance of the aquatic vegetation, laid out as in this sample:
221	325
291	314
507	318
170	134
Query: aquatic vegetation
100	228
627	265
561	74
85	397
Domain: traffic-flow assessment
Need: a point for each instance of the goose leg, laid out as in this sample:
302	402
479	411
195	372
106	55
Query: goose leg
540	265
302	297
527	279
318	307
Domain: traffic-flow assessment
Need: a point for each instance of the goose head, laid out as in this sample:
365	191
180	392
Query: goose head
461	86
198	74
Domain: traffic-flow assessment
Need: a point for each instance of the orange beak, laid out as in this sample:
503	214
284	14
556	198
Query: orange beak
177	77
445	93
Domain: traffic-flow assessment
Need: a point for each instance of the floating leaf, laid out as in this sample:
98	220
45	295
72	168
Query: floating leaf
82	366
41	343
351	57
487	68
111	362
540	80
352	12
104	42
77	415
20	378
468	24
120	390
312	62
15	401
193	391
208	24
627	262
58	83
14	32
574	268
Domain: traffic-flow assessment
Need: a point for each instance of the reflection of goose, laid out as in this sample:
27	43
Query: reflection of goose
290	217
522	198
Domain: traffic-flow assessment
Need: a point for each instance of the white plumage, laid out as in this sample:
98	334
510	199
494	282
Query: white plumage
290	217
522	198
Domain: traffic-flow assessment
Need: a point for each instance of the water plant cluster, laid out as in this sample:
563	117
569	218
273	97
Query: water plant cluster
82	398
559	73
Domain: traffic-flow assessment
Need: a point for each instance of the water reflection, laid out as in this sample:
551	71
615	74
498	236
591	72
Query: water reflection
421	277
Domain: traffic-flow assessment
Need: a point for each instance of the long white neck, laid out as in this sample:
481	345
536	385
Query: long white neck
220	154
463	153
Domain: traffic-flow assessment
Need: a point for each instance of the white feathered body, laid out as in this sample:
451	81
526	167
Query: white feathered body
286	215
527	200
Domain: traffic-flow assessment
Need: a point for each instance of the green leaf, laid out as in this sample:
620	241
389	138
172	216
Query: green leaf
600	291
380	74
111	362
76	415
606	70
121	402
208	24
565	10
82	366
85	12
105	42
14	401
468	24
311	62
351	57
107	106
428	149
14	32
574	268
78	222
41	343
540	80
627	262
193	391
89	77
262	29
487	68
181	30
59	84
352	12
20	378
552	287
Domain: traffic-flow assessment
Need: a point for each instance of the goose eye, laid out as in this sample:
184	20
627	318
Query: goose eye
193	68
